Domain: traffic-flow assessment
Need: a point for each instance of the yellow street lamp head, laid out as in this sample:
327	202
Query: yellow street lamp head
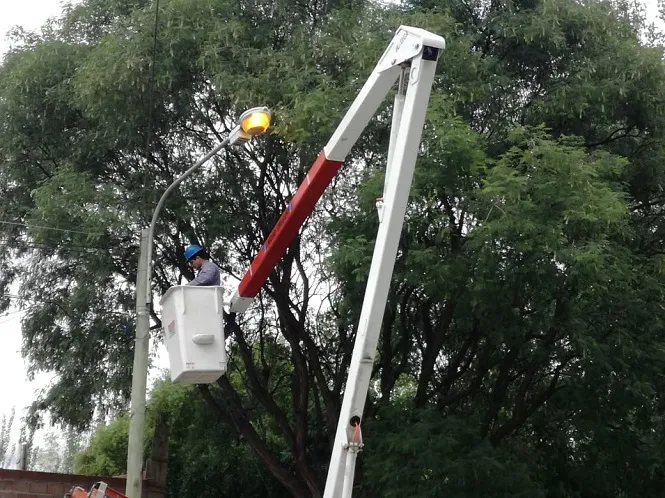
255	121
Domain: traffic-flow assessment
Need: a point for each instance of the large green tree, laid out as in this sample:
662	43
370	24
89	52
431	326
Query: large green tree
524	318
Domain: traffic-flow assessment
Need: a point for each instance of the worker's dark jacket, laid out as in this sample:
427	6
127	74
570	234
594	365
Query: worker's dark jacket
207	275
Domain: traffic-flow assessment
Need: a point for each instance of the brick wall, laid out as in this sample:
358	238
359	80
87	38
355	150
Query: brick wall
27	484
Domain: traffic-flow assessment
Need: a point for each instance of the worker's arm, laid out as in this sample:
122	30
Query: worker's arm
208	275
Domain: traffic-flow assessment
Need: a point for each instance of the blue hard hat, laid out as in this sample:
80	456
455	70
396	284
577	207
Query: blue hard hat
191	251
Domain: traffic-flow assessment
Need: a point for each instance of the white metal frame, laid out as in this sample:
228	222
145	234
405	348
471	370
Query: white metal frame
410	59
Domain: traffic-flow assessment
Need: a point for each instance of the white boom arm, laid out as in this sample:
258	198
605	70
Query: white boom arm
410	59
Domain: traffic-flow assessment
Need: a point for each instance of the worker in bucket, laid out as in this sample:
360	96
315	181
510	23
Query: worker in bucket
207	271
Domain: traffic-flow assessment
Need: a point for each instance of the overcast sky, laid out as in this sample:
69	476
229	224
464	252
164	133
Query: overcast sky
15	390
30	14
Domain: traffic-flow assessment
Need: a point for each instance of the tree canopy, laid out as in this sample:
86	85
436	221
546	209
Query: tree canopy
522	347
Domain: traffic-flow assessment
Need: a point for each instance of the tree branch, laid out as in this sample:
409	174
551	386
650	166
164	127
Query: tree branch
229	407
259	389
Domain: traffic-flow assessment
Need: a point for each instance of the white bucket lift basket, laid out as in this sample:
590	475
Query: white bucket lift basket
193	321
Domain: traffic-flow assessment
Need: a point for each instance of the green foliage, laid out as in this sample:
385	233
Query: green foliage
206	458
57	454
441	457
107	453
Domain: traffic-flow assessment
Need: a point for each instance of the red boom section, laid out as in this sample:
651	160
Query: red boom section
300	206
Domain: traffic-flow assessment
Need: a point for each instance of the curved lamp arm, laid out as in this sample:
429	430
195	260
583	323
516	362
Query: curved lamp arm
161	202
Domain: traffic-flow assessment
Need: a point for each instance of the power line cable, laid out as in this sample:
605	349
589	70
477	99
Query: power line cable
36	245
151	98
12	315
47	301
43	227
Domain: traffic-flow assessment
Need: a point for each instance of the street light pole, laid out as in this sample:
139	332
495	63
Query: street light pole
142	341
139	373
252	122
